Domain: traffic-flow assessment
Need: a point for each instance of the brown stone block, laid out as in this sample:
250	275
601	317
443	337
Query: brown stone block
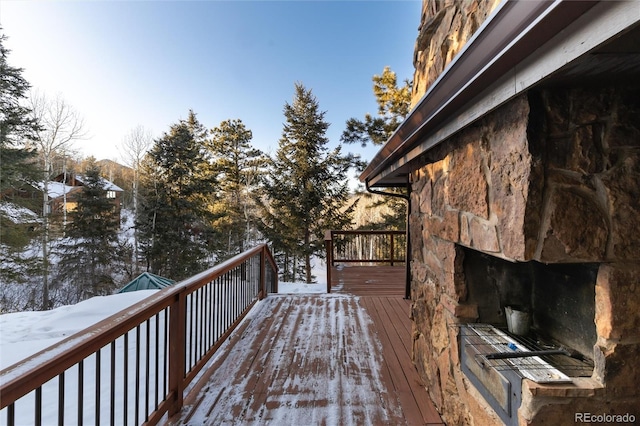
577	230
439	335
446	253
435	391
623	134
618	303
421	315
432	262
426	233
465	235
557	107
618	367
467	184
454	350
421	357
415	230
415	203
580	151
510	170
461	311
563	404
478	408
484	236
622	185
438	169
439	197
418	272
424	198
418	179
451	226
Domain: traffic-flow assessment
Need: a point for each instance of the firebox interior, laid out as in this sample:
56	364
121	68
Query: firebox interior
559	297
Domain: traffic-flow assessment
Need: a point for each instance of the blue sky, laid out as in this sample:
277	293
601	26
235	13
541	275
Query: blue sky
128	63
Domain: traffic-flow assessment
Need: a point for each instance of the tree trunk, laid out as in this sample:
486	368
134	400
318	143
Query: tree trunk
45	239
307	255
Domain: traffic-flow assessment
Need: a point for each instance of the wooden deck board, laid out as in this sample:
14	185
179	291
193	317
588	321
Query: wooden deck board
368	280
319	360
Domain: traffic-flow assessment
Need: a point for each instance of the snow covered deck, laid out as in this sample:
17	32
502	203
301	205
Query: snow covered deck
318	359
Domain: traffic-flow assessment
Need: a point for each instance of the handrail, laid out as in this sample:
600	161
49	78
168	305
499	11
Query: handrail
176	331
363	246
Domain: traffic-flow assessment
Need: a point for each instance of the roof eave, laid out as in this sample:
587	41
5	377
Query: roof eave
514	31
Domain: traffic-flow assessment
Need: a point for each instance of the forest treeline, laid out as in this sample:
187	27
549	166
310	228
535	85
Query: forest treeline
193	196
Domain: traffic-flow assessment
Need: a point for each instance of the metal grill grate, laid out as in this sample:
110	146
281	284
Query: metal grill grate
536	360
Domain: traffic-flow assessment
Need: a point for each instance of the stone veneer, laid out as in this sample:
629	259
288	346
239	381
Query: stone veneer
445	27
552	176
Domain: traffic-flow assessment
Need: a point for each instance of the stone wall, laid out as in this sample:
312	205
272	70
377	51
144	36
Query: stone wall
552	176
445	27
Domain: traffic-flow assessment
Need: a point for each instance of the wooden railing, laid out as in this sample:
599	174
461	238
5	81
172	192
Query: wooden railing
364	247
133	368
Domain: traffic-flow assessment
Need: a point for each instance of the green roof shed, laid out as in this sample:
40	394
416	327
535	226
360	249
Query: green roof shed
147	281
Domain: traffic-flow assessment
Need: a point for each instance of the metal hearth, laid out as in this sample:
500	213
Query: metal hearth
496	361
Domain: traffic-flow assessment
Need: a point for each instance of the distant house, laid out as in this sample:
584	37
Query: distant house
64	190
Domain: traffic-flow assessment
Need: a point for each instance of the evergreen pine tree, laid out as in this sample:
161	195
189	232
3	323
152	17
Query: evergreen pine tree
393	108
17	163
306	187
18	168
177	186
88	250
238	166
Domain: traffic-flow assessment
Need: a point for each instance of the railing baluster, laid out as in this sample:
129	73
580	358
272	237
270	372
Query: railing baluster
199	325
125	373
137	400
38	407
189	334
97	389
112	388
165	374
391	249
11	415
155	400
80	392
61	399
147	369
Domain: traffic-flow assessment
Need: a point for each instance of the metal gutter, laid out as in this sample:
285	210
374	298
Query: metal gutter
514	31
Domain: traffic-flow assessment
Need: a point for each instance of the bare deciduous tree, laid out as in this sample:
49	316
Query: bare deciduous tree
133	149
59	126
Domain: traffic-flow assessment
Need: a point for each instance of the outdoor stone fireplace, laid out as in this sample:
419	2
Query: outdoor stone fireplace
537	204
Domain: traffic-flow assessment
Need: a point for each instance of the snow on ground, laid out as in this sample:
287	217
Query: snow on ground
17	214
23	334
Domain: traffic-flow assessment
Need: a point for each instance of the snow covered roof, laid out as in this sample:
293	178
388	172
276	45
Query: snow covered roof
17	214
57	189
106	185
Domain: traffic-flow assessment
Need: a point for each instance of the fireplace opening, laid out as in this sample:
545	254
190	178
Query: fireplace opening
559	300
555	348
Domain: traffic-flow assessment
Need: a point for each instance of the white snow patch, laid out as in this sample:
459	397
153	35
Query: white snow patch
23	334
17	214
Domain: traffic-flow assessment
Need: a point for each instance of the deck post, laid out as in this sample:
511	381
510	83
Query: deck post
177	343
328	245
392	253
263	274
